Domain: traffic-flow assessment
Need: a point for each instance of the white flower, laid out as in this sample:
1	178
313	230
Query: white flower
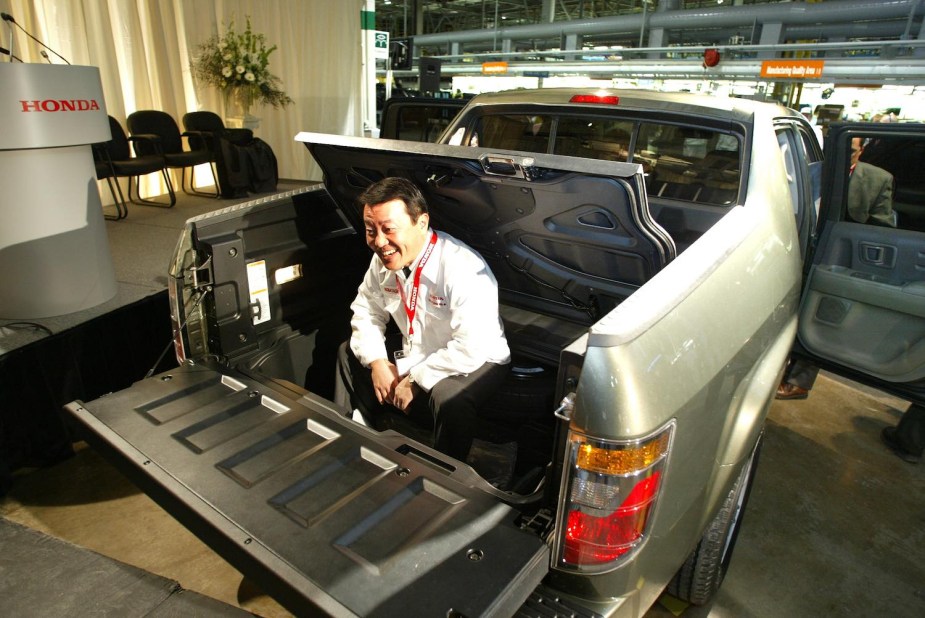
239	69
249	76
226	71
226	56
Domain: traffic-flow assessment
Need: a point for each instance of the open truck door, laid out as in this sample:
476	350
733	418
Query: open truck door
862	312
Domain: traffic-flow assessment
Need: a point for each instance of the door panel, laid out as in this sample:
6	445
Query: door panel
864	306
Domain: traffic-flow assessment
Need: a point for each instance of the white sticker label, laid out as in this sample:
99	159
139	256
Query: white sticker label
260	295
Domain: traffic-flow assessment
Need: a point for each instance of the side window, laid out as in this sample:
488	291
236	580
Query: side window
811	145
813	152
790	153
800	184
689	163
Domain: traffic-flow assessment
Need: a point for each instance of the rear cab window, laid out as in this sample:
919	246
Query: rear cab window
687	163
422	123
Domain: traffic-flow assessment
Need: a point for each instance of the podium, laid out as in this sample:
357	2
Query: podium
54	251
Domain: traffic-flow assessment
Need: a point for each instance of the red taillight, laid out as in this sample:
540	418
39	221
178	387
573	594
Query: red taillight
600	99
591	540
611	490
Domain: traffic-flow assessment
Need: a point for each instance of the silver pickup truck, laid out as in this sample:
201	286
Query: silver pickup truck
657	257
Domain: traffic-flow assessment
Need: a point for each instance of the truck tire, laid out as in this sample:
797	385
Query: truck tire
698	579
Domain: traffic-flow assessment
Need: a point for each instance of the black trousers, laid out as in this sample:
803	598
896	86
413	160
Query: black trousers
801	373
452	403
910	432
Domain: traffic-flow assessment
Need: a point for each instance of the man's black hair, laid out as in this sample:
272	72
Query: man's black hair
395	188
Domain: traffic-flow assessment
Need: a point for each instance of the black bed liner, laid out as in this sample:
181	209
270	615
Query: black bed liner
323	514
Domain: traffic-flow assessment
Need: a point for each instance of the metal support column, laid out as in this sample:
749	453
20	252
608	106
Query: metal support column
368	84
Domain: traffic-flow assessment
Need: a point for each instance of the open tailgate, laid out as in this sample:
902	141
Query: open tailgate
323	514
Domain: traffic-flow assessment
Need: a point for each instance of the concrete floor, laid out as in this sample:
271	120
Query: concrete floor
835	525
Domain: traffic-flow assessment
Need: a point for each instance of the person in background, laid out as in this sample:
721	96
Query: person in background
813	118
870	190
799	377
889	115
443	299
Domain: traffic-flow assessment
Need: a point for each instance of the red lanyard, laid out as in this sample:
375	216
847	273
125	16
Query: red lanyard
412	305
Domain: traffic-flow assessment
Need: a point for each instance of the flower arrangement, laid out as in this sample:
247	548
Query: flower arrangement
236	64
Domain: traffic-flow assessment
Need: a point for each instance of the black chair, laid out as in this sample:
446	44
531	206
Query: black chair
114	160
207	130
144	124
202	126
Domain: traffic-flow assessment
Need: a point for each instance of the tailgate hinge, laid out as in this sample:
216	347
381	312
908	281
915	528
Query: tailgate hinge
194	271
564	411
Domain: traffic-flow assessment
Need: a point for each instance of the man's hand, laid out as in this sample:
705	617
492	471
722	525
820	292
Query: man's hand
385	377
404	394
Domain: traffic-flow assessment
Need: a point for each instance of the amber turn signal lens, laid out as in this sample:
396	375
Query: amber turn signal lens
623	459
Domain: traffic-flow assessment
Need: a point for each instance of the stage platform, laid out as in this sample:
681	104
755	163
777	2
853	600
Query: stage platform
67	580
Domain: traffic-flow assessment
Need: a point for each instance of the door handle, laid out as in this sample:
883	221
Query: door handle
877	254
873	255
513	167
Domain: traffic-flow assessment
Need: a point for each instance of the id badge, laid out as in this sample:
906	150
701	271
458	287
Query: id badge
402	361
405	360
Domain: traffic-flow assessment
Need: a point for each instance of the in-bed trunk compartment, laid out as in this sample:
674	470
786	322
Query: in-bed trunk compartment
319	511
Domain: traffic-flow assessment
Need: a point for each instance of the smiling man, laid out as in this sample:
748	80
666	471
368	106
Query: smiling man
443	299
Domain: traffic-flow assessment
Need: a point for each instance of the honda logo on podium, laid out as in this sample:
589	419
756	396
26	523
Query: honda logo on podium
60	105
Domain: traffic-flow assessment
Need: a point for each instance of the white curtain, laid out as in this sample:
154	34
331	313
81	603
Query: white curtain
143	49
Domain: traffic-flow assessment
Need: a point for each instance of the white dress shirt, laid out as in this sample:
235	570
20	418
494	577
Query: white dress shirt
457	327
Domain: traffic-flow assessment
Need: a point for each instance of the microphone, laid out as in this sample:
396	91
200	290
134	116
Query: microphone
44	54
9	18
6	52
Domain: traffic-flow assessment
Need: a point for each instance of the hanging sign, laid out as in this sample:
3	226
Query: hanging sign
792	69
494	67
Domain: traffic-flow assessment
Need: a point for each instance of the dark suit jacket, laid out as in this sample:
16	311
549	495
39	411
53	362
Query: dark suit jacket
870	195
